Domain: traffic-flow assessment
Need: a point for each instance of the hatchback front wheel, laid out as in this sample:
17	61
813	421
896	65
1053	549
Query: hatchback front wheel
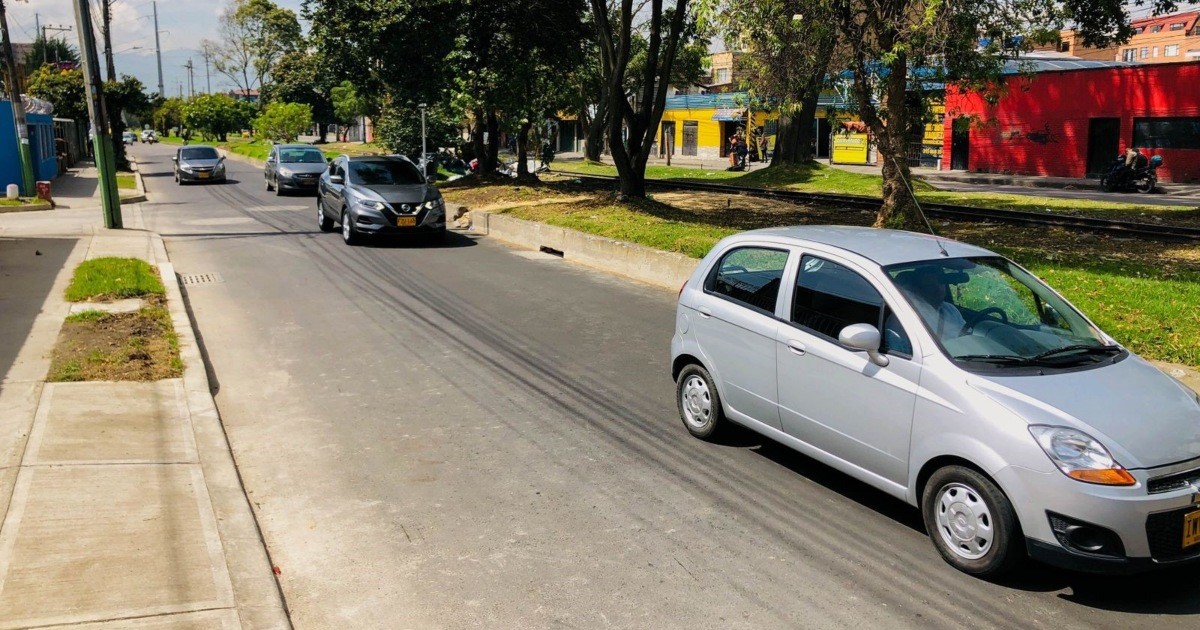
971	522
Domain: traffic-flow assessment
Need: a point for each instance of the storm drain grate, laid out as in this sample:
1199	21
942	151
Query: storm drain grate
200	278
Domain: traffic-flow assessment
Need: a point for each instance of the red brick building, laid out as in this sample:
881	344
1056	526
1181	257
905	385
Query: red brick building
1071	119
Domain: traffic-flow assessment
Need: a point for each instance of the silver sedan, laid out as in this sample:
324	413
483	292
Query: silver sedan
952	379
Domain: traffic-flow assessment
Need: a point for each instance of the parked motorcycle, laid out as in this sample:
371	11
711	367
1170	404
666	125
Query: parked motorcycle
1142	176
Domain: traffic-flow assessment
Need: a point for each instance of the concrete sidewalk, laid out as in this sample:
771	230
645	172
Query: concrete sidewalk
120	502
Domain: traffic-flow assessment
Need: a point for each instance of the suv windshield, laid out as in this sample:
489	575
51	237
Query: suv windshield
301	156
385	173
989	311
198	153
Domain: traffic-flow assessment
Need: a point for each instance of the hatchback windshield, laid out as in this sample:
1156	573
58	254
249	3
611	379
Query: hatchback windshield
385	173
198	153
301	156
988	310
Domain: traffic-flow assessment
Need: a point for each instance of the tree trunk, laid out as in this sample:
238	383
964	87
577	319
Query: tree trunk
523	149
490	160
594	143
899	208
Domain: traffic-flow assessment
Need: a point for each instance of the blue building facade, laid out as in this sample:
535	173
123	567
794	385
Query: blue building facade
41	145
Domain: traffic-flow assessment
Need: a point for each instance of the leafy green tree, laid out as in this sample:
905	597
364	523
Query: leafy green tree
255	34
283	121
790	47
894	46
301	76
169	115
399	128
216	115
63	88
48	51
348	106
125	95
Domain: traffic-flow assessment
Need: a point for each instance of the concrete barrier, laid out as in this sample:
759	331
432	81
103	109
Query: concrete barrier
664	269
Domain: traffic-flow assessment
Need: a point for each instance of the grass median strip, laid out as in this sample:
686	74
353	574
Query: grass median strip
126	181
98	346
112	278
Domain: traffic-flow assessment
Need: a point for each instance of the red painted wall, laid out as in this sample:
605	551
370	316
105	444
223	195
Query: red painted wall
1040	127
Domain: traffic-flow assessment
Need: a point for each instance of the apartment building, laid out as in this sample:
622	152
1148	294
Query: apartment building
1163	39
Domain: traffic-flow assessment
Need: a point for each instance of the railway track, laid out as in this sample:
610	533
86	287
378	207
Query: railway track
1120	229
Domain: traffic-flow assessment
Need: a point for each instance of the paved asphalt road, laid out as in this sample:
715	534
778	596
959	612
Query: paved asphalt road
474	436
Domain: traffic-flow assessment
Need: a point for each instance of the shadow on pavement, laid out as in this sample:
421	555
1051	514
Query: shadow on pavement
1172	591
26	278
453	240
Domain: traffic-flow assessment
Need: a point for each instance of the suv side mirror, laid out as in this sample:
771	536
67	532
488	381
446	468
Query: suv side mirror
865	338
174	158
337	179
431	179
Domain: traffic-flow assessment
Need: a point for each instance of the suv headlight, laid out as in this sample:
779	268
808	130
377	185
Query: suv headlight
1080	456
372	204
437	205
285	172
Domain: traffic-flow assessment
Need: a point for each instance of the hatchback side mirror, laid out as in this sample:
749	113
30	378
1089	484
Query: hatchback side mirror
337	179
174	158
865	338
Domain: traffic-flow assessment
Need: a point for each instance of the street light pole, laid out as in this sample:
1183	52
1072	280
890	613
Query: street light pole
424	165
101	141
12	80
158	50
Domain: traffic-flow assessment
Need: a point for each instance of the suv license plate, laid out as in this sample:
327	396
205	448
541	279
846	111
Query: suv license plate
1191	529
406	221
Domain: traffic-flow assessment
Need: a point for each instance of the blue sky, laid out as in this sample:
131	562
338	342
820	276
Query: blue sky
184	22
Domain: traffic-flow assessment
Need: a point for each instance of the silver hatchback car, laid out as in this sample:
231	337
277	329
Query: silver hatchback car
948	377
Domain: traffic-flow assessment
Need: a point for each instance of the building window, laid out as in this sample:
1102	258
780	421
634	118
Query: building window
1171	51
1154	52
1167	133
1139	30
1178	26
1155	29
1129	54
1145	52
1064	47
722	75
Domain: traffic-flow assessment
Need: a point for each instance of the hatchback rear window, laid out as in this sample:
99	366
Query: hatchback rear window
750	275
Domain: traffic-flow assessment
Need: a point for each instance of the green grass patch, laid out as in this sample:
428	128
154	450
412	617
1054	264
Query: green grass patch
170	139
86	316
127	181
819	178
113	278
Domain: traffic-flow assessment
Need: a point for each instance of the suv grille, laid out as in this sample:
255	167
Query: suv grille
1171	483
1165	534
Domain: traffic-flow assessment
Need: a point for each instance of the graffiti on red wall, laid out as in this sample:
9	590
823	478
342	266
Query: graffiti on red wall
1043	136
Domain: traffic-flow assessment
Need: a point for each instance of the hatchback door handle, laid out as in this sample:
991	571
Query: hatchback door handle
705	312
796	347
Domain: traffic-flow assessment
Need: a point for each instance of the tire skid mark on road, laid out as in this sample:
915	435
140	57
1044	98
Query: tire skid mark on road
543	380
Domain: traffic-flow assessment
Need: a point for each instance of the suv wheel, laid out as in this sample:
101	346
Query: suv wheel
323	222
349	234
971	522
698	401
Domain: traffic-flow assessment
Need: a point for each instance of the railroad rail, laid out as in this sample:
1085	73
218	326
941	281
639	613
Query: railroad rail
1111	227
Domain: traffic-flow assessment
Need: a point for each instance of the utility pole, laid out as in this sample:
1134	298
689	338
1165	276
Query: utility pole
424	166
101	140
207	84
191	85
13	82
45	41
106	29
158	51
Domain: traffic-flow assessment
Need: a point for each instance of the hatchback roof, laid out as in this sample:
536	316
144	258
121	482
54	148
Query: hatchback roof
885	247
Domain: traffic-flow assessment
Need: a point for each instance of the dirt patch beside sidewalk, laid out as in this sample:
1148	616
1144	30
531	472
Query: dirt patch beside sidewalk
137	346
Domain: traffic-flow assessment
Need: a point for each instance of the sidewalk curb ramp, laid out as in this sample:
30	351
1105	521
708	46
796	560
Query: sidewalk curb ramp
257	593
668	270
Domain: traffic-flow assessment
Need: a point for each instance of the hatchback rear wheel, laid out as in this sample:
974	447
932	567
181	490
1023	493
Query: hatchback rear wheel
699	403
971	522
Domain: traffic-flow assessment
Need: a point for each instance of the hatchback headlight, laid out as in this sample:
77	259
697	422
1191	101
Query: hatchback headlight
286	172
185	168
1080	456
372	204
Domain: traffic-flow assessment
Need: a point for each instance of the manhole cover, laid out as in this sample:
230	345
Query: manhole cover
200	278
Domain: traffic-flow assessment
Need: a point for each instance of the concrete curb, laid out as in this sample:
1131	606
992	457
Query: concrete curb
662	269
243	158
28	208
257	594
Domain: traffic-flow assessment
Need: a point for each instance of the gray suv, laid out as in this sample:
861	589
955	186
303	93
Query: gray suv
293	167
379	195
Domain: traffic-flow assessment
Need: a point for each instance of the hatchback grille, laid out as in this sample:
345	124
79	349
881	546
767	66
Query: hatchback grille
1177	481
1164	531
